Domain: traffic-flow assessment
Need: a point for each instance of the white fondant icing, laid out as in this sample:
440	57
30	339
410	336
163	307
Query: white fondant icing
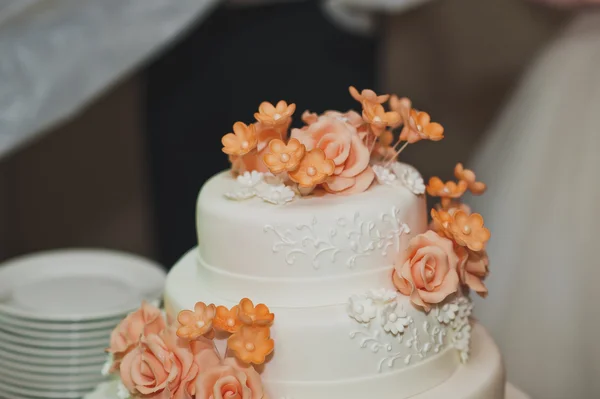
482	377
305	333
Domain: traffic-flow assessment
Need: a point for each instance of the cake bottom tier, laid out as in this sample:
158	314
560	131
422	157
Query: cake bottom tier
481	378
317	358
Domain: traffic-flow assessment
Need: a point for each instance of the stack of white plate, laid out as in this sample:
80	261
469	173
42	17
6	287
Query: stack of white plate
57	310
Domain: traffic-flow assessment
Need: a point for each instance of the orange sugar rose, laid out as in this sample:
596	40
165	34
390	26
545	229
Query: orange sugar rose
367	95
241	141
473	269
254	315
196	323
229	380
251	344
426	270
314	169
469	231
476	187
284	157
279	115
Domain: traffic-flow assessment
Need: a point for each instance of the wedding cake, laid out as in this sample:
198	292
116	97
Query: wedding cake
317	274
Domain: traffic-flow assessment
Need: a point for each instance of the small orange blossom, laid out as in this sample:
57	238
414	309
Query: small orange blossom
227	319
284	157
367	95
251	344
378	118
197	322
476	187
242	141
314	169
437	188
251	315
275	115
469	231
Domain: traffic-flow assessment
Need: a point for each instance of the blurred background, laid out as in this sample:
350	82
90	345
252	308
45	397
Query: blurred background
111	114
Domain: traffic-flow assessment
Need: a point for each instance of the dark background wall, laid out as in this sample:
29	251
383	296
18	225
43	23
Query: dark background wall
218	75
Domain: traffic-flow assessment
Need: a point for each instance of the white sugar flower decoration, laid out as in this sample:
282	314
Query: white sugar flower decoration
384	175
250	179
107	365
412	180
461	341
465	307
447	313
361	308
122	392
246	184
395	320
278	195
382	295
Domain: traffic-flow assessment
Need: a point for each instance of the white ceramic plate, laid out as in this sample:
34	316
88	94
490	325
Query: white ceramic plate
42	343
59	371
99	359
28	393
29	379
107	324
77	285
52	353
56	335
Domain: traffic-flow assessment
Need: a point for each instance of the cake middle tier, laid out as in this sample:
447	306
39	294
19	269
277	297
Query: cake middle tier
330	246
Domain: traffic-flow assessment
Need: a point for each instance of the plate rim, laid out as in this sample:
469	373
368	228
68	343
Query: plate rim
151	265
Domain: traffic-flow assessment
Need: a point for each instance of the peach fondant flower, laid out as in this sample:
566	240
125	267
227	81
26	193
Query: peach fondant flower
284	157
425	129
417	125
342	144
472	269
469	231
351	117
127	334
476	187
227	319
441	222
254	160
165	366
367	95
313	169
279	115
426	270
378	117
309	117
197	322
251	344
229	380
241	141
259	315
437	188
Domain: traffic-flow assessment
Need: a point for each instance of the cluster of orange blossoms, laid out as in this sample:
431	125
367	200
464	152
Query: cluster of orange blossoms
264	145
249	326
454	220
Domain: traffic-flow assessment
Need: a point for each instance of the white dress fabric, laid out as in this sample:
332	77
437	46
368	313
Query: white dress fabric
541	161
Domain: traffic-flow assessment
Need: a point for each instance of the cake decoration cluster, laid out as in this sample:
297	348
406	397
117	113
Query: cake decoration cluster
450	257
155	360
335	152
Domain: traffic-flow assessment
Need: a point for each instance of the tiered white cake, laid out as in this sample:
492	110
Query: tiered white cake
357	295
324	265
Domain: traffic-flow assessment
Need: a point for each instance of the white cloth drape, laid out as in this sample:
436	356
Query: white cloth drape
541	161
